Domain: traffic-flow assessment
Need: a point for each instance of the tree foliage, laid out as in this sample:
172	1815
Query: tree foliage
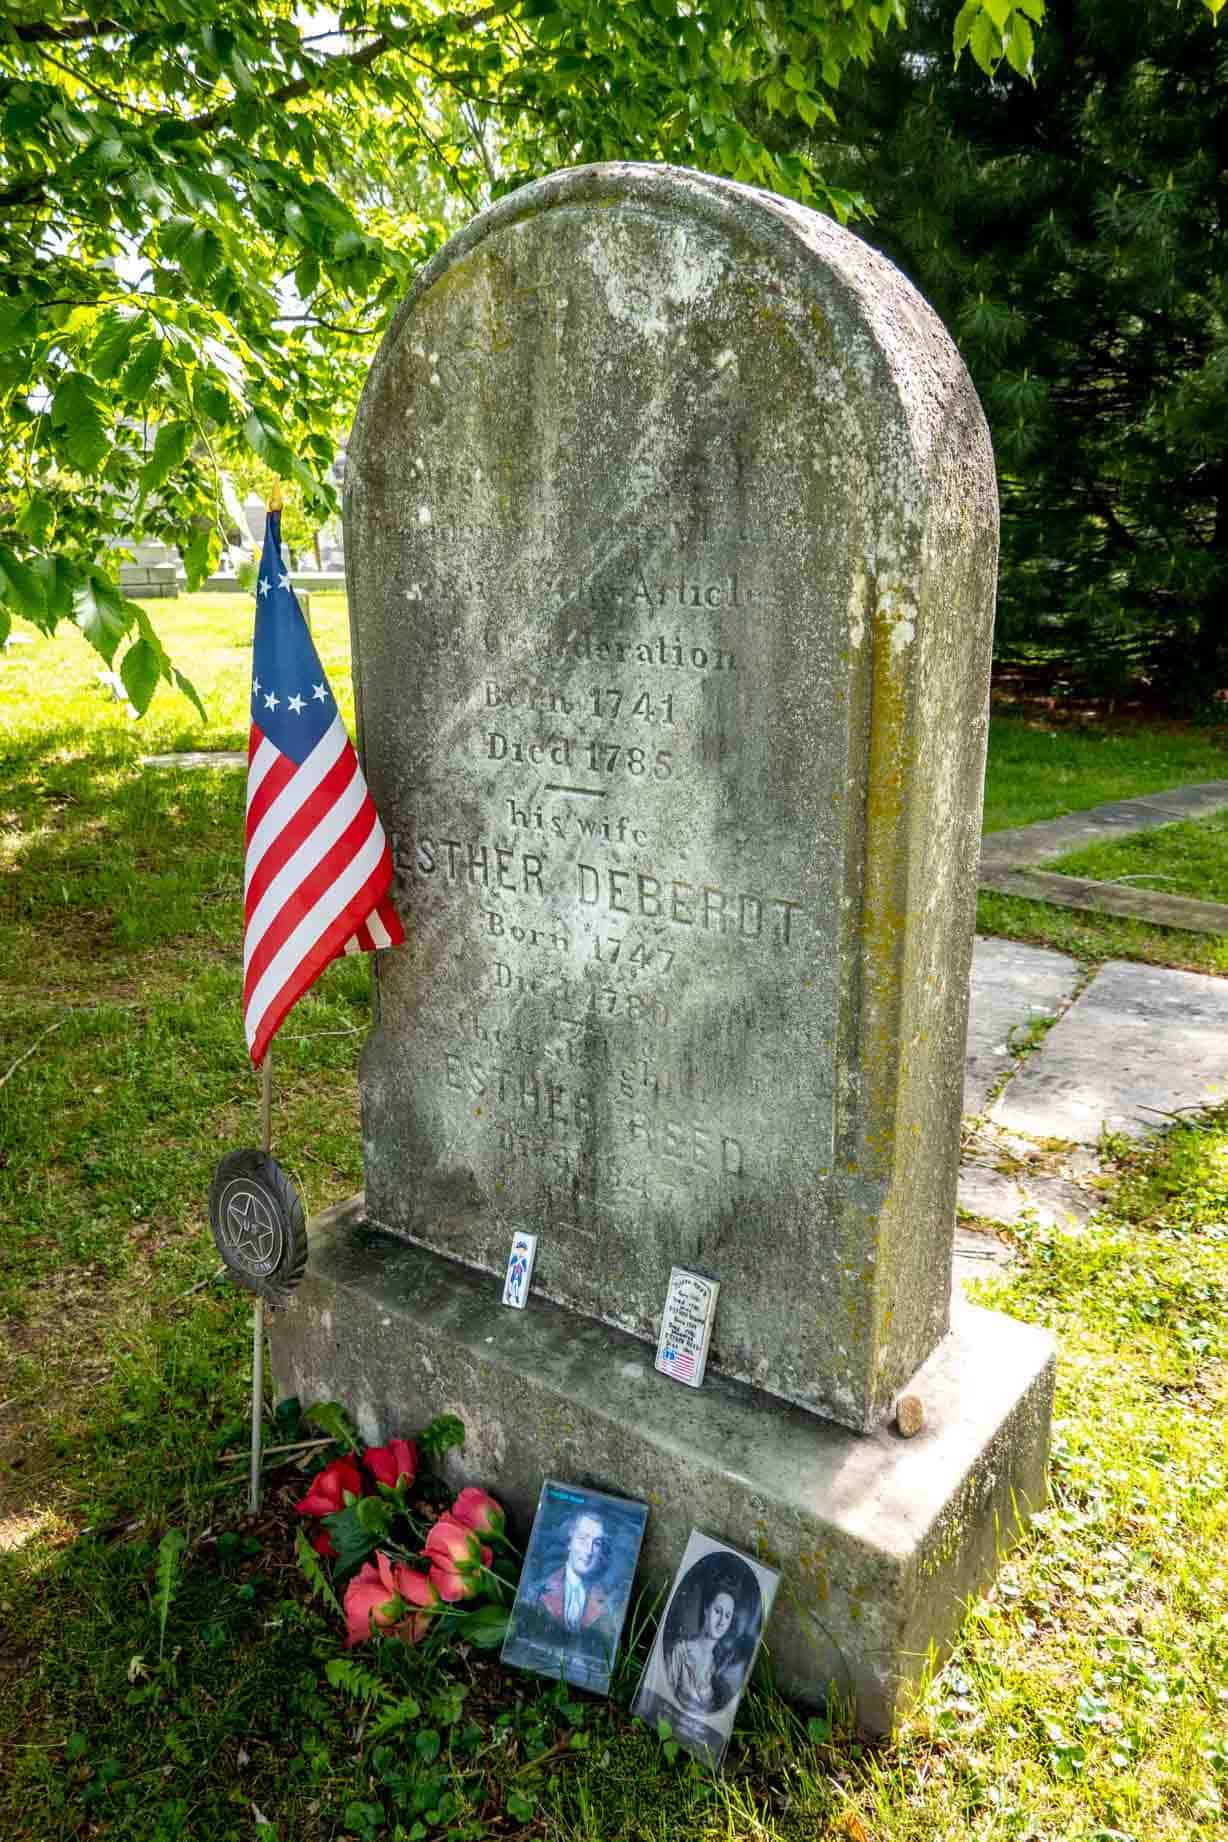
1071	231
208	212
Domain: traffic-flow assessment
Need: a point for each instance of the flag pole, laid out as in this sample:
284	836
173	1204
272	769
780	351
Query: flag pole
266	1145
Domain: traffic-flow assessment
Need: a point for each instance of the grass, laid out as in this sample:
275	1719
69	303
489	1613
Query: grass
1088	1694
1040	770
1190	858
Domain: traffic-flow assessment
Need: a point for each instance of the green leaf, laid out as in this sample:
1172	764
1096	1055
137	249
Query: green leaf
101	613
965	19
189	691
374	1514
359	1682
985	44
267	442
77	412
1035	9
313	1572
401	1713
200	255
443	1432
808	109
999	11
57	579
169	451
197	557
170	1551
20	589
36	520
139	377
1020	46
331	1418
486	1626
18	320
351	1539
140	671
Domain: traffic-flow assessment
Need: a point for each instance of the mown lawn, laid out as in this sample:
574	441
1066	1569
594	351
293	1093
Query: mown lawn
1186	859
1088	1696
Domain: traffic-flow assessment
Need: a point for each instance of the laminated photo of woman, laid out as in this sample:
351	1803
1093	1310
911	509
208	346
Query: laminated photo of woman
711	1633
705	1646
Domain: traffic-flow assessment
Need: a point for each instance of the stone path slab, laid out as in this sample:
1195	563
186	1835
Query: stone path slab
1139	1046
198	758
1024	845
1012	986
1008	859
1154	906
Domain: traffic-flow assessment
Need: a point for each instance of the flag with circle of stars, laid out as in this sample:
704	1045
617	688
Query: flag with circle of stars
318	870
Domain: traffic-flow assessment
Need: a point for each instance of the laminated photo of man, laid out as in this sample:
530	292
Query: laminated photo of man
573	1593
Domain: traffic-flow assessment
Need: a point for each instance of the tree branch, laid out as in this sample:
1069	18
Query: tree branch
350	60
43	32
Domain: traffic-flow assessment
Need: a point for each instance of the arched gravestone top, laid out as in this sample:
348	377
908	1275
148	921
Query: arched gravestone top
671	538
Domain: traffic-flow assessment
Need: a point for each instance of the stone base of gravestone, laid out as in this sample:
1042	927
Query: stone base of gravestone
881	1540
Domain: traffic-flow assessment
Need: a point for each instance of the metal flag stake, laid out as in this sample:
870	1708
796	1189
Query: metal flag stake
257	1219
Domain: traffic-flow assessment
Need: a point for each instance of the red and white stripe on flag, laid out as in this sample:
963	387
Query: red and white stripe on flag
317	875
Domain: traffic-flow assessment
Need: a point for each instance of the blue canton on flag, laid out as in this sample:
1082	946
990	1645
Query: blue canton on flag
318	870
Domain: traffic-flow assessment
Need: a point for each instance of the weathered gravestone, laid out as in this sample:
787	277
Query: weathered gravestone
671	533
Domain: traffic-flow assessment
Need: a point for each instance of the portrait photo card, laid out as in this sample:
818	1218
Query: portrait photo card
575	1585
706	1646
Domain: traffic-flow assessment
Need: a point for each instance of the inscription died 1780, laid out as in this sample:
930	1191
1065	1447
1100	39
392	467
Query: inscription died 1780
614	623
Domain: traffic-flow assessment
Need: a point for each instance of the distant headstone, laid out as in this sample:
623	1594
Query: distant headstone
672	601
671	543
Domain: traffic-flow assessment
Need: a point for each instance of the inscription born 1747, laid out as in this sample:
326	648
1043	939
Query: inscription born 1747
671	611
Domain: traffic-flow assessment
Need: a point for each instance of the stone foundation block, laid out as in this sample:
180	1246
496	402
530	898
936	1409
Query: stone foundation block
881	1539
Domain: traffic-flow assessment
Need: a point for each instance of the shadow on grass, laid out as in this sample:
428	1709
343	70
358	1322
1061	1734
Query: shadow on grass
142	855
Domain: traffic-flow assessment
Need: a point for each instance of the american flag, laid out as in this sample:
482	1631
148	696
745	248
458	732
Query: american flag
318	869
676	1362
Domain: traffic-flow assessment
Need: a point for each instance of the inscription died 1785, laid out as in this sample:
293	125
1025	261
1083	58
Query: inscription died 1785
646	657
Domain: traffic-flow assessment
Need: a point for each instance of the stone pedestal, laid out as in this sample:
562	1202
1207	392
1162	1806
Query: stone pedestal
881	1540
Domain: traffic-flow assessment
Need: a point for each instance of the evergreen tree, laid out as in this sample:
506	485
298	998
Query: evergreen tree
1071	232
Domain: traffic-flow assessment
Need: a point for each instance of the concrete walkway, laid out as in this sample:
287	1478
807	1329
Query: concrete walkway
1008	859
1127	1052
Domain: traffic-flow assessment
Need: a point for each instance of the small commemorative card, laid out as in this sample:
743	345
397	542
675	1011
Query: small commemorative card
575	1585
705	1646
686	1326
519	1269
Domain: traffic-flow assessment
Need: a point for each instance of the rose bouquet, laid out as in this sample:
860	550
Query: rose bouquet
404	1566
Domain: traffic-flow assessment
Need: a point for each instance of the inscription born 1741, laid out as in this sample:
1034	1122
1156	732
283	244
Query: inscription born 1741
671	598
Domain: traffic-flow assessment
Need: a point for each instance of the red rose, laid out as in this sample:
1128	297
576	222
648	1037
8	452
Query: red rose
371	1596
323	1544
475	1510
382	1594
393	1463
328	1489
452	1545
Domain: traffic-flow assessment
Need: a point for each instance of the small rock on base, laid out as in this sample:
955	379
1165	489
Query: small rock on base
909	1415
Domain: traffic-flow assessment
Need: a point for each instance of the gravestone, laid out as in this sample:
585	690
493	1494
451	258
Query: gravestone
671	544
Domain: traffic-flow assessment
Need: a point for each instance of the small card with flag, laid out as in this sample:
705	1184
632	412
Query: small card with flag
318	870
686	1326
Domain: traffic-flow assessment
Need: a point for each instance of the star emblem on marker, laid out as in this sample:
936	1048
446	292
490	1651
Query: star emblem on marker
250	1229
265	585
271	701
255	687
296	704
283	581
319	693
